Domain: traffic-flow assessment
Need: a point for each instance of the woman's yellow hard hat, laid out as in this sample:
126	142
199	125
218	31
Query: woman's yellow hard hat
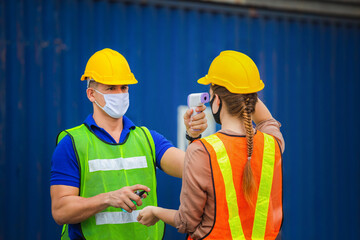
234	71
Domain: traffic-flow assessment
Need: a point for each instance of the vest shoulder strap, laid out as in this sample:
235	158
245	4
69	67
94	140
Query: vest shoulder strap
63	133
150	141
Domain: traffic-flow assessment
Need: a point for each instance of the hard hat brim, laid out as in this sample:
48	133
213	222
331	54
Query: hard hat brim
105	81
204	81
207	80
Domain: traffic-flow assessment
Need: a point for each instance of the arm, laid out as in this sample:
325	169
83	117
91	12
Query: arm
196	191
172	162
166	215
150	215
261	113
168	158
68	207
267	124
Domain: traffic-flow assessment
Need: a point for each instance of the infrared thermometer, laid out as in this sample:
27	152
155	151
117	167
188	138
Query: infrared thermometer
196	100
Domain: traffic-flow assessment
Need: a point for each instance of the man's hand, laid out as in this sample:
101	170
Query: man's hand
147	217
197	124
123	197
68	207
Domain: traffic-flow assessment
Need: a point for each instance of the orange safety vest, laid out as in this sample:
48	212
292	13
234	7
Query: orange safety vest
234	217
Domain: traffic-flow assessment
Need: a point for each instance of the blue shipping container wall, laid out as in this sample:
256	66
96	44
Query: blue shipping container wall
310	66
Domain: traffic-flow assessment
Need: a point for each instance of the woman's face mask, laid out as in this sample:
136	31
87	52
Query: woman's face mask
116	104
217	114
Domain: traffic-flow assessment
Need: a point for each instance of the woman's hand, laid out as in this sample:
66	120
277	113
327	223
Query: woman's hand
147	216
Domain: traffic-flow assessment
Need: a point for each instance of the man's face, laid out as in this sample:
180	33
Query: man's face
108	89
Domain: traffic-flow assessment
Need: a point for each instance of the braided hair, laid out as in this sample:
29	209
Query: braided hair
242	106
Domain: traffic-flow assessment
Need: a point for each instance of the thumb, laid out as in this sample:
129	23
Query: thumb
188	113
139	217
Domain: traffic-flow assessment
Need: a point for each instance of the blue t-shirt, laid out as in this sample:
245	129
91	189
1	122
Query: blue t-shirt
65	169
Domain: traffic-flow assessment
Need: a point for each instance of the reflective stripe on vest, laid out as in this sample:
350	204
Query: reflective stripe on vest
231	199
116	217
262	204
117	164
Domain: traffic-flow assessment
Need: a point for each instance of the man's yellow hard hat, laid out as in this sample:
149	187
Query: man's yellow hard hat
234	71
109	67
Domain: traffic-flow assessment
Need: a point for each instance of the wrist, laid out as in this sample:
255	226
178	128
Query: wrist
155	211
190	138
107	199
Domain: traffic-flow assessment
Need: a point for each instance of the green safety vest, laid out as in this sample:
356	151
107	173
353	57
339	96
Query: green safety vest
106	167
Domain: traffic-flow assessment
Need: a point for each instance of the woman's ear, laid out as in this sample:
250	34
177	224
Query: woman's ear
217	100
216	103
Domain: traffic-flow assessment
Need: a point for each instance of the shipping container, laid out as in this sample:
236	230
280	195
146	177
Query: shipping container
310	65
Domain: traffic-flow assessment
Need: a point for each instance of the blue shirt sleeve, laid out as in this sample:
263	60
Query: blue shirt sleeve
161	146
64	165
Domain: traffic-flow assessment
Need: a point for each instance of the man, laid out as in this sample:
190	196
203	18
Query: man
98	166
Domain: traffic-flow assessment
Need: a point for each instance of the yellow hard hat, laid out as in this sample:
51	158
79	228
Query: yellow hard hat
234	71
109	67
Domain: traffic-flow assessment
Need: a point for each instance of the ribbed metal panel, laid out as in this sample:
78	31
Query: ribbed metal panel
310	66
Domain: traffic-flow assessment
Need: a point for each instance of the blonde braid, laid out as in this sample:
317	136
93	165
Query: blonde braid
249	132
248	178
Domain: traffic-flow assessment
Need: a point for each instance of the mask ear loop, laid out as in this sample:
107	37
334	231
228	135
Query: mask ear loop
97	102
99	105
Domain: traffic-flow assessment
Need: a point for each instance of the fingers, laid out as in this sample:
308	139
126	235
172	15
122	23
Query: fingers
197	123
189	112
139	217
200	108
135	197
126	198
139	187
196	130
198	117
144	196
128	205
147	217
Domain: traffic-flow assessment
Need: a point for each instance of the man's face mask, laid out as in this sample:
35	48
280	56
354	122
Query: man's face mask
116	104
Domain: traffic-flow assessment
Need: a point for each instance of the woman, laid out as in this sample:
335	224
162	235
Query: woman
232	180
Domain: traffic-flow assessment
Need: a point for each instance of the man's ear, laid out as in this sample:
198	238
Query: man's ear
90	94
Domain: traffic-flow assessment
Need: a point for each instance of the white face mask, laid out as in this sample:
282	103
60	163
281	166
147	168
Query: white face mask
116	104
